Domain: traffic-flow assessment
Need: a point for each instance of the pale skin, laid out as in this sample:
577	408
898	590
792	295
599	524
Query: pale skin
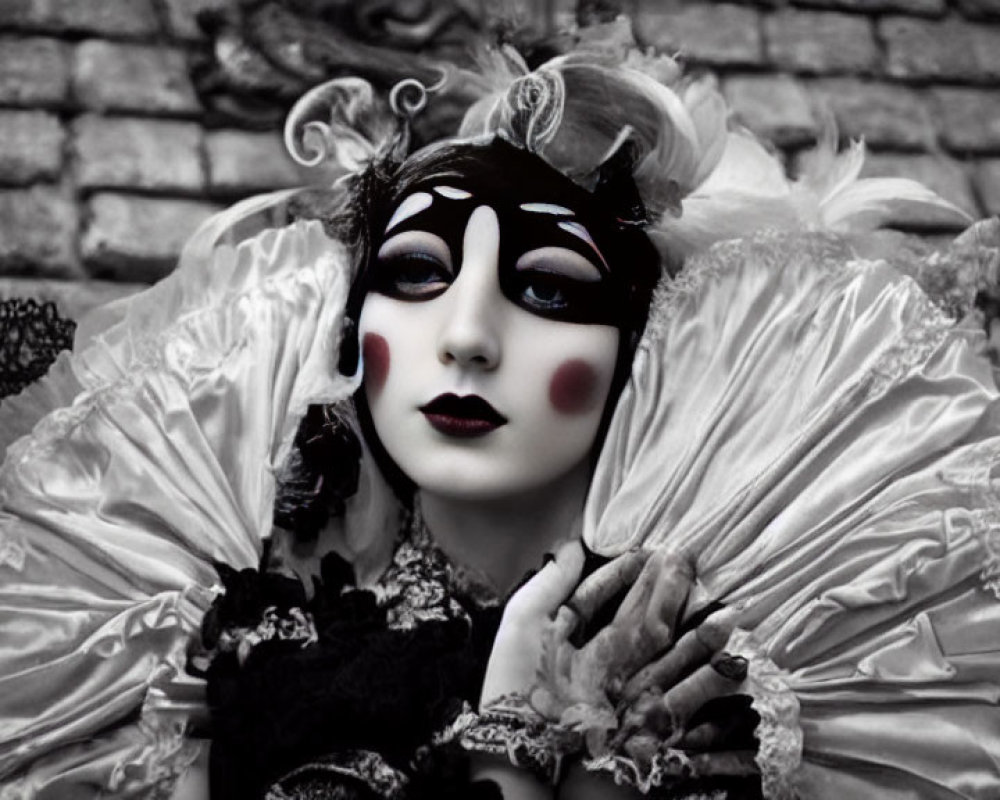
500	501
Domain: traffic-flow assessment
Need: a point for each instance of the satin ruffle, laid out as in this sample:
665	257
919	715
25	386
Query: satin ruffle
820	440
115	507
804	424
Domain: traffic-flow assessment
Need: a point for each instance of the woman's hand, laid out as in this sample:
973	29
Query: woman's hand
517	651
597	670
642	677
635	684
527	620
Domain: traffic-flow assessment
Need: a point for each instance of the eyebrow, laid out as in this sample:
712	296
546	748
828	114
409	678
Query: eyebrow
413	204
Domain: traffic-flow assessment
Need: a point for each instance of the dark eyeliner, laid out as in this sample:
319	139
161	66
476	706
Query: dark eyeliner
411	275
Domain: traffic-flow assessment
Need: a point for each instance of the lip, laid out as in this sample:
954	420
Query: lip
463	417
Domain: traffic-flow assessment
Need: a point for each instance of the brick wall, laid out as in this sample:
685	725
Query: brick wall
107	160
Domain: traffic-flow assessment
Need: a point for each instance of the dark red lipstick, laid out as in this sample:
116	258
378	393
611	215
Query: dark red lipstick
465	417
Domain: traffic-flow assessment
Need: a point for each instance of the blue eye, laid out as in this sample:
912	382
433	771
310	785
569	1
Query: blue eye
412	275
544	291
544	296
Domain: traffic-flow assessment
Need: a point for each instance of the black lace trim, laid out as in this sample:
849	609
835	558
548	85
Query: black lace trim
32	334
292	679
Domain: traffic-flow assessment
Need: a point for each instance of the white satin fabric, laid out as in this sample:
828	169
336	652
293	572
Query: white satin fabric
805	425
822	443
115	507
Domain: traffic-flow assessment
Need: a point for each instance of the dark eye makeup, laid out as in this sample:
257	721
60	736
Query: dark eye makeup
407	271
415	265
543	267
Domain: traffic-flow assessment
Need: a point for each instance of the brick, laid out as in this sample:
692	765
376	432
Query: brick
986	177
943	175
718	34
245	162
32	146
182	16
892	116
73	298
819	41
133	238
950	49
38	229
129	77
930	8
106	17
986	43
155	155
980	8
773	106
969	119
33	71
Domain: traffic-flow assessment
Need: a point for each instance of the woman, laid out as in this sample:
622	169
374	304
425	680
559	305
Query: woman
494	325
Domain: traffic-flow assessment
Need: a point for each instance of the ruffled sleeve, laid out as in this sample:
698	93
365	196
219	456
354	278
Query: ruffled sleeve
115	507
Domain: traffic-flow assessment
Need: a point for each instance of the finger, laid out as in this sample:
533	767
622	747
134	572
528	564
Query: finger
632	608
565	623
645	622
667	599
600	660
715	631
668	670
726	723
691	650
547	590
642	748
707	736
604	583
562	628
678	704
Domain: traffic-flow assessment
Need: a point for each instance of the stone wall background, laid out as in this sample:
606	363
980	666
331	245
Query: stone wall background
108	158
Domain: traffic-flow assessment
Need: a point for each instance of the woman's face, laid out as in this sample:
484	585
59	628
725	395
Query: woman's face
487	343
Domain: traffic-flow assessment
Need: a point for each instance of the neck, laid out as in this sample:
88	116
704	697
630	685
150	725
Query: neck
505	537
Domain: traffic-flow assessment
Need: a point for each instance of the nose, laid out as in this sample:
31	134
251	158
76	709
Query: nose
470	336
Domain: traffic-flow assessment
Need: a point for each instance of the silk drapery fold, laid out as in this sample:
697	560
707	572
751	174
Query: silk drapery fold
820	441
115	507
804	424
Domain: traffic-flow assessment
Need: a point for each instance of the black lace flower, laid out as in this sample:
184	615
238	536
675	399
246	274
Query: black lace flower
31	336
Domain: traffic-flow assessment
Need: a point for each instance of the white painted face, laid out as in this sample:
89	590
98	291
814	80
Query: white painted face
445	329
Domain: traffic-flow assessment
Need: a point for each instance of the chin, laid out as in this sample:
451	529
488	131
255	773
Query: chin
470	485
482	477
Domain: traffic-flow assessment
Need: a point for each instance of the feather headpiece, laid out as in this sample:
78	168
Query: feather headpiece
627	126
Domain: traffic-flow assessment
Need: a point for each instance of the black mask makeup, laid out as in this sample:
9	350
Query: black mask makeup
538	209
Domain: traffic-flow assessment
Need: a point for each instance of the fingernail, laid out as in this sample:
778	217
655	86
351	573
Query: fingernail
729	666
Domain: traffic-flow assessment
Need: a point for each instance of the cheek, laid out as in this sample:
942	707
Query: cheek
375	350
574	387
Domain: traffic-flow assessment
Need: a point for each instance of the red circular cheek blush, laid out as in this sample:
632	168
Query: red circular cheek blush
573	389
375	351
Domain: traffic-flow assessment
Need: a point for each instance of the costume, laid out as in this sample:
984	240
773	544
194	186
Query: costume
803	422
